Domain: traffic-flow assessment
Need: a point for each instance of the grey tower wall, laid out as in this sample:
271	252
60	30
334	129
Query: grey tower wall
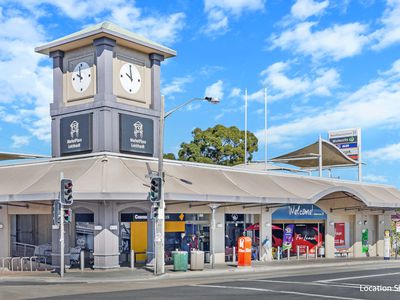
104	105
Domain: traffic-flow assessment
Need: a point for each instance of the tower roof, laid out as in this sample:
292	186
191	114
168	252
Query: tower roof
123	37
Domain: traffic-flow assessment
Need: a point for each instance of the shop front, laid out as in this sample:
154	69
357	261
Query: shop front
297	228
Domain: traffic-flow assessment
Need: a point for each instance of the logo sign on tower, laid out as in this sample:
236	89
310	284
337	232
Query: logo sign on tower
136	134
76	134
347	140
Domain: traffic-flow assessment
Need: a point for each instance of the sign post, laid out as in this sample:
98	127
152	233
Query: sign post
349	142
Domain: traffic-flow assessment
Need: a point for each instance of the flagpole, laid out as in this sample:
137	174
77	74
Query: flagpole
265	130
245	126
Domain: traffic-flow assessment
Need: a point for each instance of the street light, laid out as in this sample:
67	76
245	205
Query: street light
159	236
208	99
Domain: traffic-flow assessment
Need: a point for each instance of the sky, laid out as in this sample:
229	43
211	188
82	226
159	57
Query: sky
327	65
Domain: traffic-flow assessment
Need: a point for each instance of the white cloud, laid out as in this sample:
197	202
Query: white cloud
387	153
375	178
280	85
25	83
389	34
176	86
215	90
121	12
335	42
236	92
20	140
374	105
130	17
303	9
219	11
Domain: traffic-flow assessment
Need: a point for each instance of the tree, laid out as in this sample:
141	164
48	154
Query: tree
219	145
169	156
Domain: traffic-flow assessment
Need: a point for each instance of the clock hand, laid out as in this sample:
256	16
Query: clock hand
130	71
130	77
80	75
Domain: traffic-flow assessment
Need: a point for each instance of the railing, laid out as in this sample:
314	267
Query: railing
23	249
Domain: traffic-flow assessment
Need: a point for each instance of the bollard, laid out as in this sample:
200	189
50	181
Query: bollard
132	259
30	262
288	253
307	251
12	264
234	254
279	253
82	260
316	252
298	252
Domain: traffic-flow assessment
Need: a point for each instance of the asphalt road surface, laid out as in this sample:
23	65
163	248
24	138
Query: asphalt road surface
335	283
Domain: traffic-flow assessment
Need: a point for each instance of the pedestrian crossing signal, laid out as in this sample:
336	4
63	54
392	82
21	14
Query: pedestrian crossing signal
155	189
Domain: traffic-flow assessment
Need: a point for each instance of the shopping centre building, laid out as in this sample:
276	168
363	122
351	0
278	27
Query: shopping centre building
105	126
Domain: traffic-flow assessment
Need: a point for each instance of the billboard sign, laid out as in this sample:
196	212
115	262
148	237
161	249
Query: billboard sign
76	134
340	235
136	134
347	140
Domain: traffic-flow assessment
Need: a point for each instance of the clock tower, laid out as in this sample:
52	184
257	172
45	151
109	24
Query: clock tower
106	91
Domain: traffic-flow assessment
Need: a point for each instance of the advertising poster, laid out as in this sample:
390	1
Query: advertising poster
287	237
386	246
364	241
340	237
306	235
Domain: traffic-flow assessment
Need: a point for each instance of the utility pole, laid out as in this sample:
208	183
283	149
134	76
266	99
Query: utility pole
62	242
159	263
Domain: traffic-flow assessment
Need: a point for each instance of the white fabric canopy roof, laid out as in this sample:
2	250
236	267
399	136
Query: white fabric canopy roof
119	177
308	157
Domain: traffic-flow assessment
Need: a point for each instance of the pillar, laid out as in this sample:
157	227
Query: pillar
150	239
357	246
155	60
106	240
330	236
4	232
58	99
265	223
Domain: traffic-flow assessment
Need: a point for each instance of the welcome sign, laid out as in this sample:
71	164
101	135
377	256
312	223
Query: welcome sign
299	212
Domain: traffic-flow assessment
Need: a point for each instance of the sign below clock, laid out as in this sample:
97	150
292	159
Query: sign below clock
76	134
136	134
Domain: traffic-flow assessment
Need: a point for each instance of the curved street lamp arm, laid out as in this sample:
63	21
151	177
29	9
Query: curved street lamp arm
180	106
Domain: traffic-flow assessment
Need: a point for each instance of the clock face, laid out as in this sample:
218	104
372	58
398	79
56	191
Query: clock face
81	77
130	78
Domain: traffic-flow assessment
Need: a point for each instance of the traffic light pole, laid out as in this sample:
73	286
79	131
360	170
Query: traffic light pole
61	232
159	264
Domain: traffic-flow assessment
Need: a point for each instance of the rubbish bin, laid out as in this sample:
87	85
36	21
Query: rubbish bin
180	260
197	260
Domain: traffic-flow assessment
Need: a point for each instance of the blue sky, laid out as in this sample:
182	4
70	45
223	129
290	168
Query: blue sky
327	65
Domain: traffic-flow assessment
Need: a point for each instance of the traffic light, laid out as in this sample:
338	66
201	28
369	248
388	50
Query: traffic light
154	213
68	215
155	189
66	192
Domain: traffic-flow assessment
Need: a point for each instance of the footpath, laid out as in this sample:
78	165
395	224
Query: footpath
142	273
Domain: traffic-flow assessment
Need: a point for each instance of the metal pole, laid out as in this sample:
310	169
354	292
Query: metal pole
320	156
62	242
288	253
159	226
298	252
316	252
265	130
359	155
82	254
307	251
234	254
132	259
279	253
245	126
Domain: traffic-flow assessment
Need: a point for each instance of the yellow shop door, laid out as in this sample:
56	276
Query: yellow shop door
139	240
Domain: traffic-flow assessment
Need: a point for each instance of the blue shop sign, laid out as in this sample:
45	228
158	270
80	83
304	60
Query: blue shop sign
299	212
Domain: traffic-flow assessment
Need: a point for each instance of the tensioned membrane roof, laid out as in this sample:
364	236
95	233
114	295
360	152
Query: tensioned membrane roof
308	156
106	176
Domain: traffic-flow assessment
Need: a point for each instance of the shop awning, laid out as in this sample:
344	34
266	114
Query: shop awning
308	157
11	156
125	178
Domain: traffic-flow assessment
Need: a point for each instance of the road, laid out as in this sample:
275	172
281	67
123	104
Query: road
342	282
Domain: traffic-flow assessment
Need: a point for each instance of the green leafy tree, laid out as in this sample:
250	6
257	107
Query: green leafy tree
219	145
169	156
